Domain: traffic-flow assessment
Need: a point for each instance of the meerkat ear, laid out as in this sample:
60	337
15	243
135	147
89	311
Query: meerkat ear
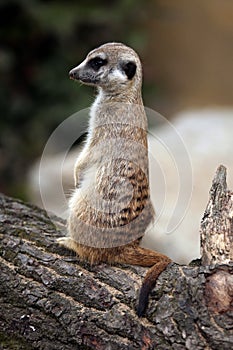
129	68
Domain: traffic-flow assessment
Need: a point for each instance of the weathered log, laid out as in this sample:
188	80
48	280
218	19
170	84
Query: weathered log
50	300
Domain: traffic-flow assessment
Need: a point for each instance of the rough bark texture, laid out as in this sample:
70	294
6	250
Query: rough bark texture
50	300
217	223
217	243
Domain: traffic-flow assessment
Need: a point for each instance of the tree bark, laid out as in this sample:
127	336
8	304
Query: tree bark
217	243
217	223
50	300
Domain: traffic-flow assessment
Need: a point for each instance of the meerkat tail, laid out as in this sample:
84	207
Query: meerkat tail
137	255
148	284
144	257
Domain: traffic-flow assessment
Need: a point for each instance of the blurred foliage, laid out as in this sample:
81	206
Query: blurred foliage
40	41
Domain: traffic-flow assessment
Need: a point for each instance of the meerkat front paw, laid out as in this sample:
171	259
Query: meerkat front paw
68	243
65	242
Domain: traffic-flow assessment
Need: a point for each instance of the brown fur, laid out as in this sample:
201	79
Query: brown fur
112	171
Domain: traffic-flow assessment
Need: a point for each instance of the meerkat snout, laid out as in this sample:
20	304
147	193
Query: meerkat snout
73	74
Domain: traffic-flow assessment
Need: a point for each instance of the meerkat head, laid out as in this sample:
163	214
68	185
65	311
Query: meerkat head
112	67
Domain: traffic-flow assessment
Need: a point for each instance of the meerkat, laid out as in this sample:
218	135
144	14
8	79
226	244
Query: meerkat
110	209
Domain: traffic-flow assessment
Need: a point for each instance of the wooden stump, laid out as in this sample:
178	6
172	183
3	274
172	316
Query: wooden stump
217	223
217	243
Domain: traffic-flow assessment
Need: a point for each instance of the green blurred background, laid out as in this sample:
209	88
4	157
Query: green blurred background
186	48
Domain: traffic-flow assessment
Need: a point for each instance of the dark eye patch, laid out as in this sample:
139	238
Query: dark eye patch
97	62
129	68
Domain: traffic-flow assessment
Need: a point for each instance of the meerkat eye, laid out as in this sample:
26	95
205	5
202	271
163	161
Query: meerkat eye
129	68
97	62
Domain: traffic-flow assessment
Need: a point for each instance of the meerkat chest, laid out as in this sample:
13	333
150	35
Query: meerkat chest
117	169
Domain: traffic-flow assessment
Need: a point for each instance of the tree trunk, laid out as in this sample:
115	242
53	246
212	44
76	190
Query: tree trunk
50	300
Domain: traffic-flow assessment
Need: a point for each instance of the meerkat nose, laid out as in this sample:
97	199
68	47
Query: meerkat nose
73	74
